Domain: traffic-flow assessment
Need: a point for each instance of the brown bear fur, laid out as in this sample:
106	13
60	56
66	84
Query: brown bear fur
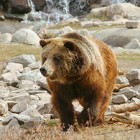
82	68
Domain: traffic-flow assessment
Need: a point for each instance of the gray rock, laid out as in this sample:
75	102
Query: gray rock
45	108
34	99
34	92
42	82
128	92
64	30
10	104
27	69
119	99
134	44
44	97
138	95
121	80
133	24
137	88
10	78
32	113
28	85
84	32
117	37
13	124
3	107
136	100
133	76
26	36
25	60
5	38
35	65
13	67
21	97
7	119
4	93
32	122
28	76
87	24
19	107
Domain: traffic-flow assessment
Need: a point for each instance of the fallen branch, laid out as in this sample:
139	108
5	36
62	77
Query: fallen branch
127	118
125	107
117	87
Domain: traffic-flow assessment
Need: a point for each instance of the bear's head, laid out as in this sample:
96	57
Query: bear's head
62	60
67	57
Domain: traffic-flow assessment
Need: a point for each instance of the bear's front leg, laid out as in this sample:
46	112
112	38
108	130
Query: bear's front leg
65	111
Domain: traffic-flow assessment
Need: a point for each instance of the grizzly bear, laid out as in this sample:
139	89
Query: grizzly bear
79	68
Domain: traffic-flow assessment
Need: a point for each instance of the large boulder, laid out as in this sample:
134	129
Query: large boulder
26	36
117	37
20	6
39	4
126	10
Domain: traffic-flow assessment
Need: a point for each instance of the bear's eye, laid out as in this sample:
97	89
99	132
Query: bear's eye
56	59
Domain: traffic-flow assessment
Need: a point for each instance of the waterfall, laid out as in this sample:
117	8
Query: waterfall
116	1
56	10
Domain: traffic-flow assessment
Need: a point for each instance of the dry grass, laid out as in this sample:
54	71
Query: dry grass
8	51
44	132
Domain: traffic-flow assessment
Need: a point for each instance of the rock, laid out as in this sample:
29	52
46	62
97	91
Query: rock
119	99
19	107
34	100
26	36
30	76
137	88
7	119
121	80
33	113
20	6
44	97
21	97
10	104
86	24
84	32
133	24
45	109
3	107
25	60
35	65
4	93
42	83
21	117
27	69
5	38
117	17
121	9
78	7
134	44
32	122
133	76
28	85
10	78
117	37
128	92
39	4
11	67
136	100
64	30
13	124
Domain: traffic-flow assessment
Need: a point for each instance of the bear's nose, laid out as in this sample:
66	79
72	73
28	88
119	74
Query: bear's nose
43	71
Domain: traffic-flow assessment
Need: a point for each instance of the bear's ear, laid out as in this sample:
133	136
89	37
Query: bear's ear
69	45
43	43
